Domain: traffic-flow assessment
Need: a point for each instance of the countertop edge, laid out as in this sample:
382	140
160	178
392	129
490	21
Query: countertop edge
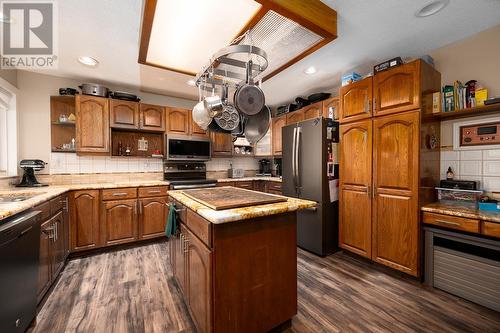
462	212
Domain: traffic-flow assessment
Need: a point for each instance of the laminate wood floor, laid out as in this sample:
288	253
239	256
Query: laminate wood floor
132	290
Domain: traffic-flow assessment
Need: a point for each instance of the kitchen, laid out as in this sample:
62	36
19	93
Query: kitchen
228	182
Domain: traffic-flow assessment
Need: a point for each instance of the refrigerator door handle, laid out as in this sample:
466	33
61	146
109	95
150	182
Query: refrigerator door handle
297	159
294	167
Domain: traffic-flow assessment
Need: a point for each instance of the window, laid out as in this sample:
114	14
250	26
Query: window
8	133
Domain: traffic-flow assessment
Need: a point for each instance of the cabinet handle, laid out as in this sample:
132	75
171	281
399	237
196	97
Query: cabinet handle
374	103
55	231
448	222
154	191
140	207
186	245
119	194
48	231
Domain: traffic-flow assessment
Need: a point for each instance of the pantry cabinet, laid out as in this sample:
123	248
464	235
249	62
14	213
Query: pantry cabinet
92	124
356	101
276	136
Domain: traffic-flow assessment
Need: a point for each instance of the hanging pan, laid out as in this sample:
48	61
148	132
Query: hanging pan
249	98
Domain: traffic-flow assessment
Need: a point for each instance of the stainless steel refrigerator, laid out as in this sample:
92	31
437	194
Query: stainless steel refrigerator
306	148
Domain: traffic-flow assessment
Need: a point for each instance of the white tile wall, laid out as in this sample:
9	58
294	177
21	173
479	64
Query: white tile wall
479	165
68	163
222	164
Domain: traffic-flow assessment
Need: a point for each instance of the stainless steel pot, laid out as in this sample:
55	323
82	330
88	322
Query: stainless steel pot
94	89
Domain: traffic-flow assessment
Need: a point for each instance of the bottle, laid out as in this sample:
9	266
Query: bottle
120	148
73	144
449	174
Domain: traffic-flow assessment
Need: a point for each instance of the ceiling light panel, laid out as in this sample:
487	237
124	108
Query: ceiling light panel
185	34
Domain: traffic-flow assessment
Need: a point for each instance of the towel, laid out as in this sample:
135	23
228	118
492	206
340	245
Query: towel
171	226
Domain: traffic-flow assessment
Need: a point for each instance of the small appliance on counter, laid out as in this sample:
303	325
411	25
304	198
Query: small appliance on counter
29	167
465	191
235	173
277	164
264	167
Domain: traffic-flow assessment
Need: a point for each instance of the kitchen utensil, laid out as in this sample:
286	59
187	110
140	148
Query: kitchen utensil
67	91
29	167
122	95
286	108
318	97
201	115
213	104
301	102
229	118
249	98
257	126
94	89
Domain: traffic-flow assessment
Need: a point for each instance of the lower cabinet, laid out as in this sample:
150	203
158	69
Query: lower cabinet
153	215
247	184
45	262
119	222
84	220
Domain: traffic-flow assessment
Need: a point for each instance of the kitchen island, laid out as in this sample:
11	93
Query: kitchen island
237	268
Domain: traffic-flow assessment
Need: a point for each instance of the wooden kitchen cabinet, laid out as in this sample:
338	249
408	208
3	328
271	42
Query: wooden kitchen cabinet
222	144
65	212
177	121
356	101
276	136
123	114
247	184
331	105
153	216
355	202
45	260
194	128
84	220
294	117
152	117
119	222
180	259
312	111
92	124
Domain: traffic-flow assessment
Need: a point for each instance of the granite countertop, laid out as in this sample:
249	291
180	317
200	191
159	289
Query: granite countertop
243	213
269	178
49	192
461	211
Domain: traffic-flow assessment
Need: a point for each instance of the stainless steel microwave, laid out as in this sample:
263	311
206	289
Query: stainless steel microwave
187	148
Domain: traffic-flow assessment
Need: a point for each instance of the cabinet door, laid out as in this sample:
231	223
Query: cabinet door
395	176
180	260
194	128
123	114
276	136
119	219
294	117
58	243
84	221
397	89
153	217
45	263
331	107
355	222
65	228
177	121
199	275
92	124
152	117
222	144
356	101
313	111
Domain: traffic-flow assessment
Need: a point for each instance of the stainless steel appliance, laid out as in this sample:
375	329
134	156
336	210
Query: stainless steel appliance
94	89
29	167
19	259
264	167
186	175
480	134
306	159
187	148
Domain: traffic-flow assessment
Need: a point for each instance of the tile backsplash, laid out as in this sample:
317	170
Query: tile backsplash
222	164
480	165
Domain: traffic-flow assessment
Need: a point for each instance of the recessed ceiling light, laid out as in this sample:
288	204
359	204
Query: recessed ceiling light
310	70
191	83
88	61
432	8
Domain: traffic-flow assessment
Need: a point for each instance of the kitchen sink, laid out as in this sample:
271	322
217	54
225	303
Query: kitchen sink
17	197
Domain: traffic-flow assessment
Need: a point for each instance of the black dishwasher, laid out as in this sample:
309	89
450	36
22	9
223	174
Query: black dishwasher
19	257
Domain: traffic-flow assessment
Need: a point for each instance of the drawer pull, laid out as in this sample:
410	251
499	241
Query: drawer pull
154	191
120	194
448	222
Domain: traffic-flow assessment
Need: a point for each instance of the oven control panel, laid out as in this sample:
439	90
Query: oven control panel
481	134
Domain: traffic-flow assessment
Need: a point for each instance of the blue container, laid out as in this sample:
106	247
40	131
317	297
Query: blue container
490	206
350	78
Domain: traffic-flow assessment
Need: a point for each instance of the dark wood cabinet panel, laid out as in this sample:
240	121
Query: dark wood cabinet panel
395	175
180	262
355	221
153	217
45	259
92	124
247	184
199	276
177	121
276	136
222	144
58	253
356	101
152	117
119	221
84	221
123	114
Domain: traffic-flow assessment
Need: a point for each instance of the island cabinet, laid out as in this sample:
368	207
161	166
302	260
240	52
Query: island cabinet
92	124
218	265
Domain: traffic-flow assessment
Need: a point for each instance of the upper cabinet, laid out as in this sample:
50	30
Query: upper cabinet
180	121
152	117
356	100
294	117
222	144
92	124
194	128
331	108
276	134
123	114
312	111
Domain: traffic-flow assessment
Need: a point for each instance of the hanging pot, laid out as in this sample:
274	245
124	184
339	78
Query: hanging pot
257	126
249	98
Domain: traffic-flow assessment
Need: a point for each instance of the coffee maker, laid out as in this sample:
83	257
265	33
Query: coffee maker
29	167
264	167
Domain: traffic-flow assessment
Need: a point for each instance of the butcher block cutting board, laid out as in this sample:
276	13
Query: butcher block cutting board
227	197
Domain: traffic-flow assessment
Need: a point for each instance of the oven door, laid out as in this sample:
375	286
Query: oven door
186	148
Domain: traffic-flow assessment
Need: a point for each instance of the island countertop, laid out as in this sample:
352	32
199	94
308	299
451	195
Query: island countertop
242	213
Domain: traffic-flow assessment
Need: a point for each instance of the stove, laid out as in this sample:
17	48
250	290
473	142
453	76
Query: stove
187	175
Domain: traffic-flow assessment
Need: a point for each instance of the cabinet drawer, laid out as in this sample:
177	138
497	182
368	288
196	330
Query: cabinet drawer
153	191
491	229
45	209
273	186
452	222
200	227
219	184
119	193
56	205
248	184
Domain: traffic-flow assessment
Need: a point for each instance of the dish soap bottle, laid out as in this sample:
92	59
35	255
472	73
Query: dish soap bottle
449	174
